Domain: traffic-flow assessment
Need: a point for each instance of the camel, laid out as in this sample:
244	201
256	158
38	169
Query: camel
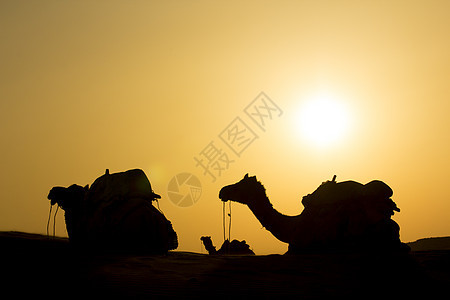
235	247
338	216
115	214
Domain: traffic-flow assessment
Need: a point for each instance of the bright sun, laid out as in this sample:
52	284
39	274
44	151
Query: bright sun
323	120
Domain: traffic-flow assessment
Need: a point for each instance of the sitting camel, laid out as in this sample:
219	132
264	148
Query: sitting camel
235	247
344	216
115	214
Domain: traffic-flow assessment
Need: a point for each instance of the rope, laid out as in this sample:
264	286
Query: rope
49	215
157	204
54	220
229	226
223	221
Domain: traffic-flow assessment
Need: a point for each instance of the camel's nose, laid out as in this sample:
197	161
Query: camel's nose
222	194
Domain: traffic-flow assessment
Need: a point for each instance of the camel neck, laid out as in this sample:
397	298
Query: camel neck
281	226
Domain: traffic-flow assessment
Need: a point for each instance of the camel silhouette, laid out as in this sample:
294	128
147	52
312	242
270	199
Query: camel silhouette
345	216
115	214
235	247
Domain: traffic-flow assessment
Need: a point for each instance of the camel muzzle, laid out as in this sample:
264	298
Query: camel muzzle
222	195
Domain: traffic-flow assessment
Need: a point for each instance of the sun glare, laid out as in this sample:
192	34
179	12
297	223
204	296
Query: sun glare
323	120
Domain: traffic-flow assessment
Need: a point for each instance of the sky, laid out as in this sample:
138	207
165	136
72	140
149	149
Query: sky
357	89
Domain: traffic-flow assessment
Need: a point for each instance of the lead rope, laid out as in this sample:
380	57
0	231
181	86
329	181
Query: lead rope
157	204
223	221
54	219
229	226
48	221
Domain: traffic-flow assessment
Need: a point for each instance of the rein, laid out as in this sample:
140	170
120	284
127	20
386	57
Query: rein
223	222
54	219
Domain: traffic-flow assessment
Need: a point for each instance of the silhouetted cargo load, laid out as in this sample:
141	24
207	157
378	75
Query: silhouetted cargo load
115	214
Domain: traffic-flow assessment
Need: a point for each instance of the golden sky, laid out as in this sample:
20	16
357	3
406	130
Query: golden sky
90	85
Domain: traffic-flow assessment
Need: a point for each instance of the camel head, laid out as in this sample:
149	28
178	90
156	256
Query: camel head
245	191
67	198
206	239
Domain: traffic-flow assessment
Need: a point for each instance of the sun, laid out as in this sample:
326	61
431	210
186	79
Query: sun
323	120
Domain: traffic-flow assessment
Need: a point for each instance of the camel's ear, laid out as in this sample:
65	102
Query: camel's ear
246	176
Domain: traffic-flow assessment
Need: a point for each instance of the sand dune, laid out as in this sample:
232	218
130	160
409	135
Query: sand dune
431	244
37	266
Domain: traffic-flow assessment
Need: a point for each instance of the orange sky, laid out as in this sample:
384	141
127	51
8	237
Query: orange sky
86	86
